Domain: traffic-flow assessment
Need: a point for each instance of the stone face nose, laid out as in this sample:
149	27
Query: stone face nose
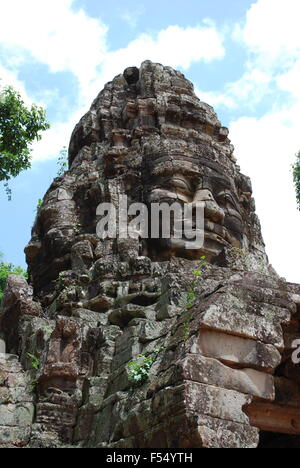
203	195
213	211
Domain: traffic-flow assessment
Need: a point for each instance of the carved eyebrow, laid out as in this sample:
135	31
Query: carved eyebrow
178	180
228	197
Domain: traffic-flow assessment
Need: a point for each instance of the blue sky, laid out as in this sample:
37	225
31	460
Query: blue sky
243	57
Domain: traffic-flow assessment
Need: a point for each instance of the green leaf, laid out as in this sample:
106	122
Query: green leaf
138	371
35	361
296	178
19	127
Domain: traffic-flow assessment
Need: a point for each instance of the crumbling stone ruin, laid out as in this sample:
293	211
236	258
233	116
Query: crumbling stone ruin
220	372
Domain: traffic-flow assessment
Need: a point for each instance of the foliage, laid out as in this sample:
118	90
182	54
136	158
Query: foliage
7	269
296	177
139	370
35	365
19	127
35	361
189	298
39	204
62	162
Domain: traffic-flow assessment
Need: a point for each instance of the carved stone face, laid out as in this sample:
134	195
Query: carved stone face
188	181
147	136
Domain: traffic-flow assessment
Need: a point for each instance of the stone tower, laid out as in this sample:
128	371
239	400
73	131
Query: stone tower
129	342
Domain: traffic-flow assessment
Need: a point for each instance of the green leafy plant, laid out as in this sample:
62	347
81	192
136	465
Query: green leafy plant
138	371
39	205
62	162
296	177
189	298
7	269
35	365
35	361
19	127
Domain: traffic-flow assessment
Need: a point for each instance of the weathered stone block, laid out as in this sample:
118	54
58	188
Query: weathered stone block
236	350
14	436
212	372
238	322
215	433
216	402
19	415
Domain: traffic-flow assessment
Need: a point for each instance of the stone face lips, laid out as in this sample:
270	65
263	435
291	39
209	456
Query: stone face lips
95	305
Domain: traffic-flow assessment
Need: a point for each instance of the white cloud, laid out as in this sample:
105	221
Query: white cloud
266	145
216	99
251	87
58	135
53	140
249	90
265	148
66	40
174	46
10	78
270	36
54	34
289	81
272	29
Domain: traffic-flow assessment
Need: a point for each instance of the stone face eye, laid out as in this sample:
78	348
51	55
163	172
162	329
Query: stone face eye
180	183
225	199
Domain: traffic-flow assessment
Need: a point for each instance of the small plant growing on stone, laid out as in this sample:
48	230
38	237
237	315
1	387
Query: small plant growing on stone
35	361
296	177
35	364
139	370
188	299
39	205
